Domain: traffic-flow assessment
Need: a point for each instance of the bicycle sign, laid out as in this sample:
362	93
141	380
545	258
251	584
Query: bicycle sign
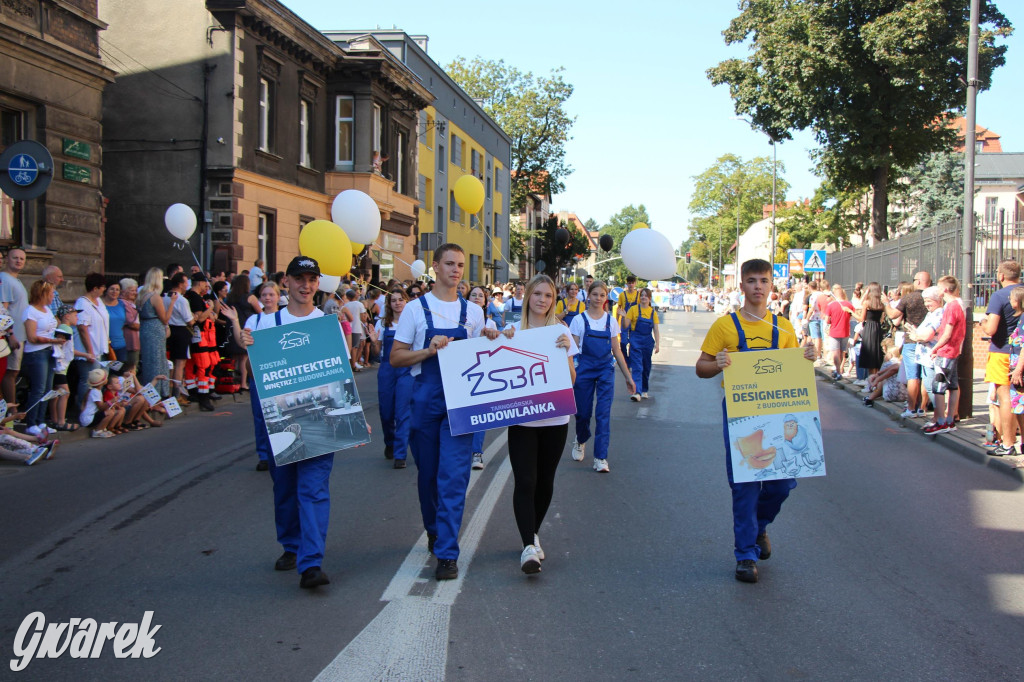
23	170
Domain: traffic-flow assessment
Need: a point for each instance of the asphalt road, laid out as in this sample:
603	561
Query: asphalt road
905	562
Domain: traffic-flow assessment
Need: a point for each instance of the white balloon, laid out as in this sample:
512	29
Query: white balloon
358	215
418	267
330	283
180	221
648	254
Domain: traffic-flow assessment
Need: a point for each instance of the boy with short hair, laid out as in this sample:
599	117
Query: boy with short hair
754	504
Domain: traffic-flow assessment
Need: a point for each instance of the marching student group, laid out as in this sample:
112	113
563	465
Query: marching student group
414	415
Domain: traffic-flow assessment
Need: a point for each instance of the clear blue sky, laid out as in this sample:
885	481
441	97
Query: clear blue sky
648	120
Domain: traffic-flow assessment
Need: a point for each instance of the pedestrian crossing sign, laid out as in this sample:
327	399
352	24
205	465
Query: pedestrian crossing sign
814	260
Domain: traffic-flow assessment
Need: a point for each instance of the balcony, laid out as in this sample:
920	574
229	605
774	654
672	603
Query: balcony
378	187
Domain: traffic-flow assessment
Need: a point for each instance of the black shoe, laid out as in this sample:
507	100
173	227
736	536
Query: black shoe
262	465
1003	451
389	452
215	396
746	571
285	562
447	569
399	463
868	402
313	577
205	404
765	544
431	539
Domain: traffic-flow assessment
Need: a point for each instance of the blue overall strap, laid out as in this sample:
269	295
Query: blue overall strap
277	318
462	311
775	331
426	313
741	345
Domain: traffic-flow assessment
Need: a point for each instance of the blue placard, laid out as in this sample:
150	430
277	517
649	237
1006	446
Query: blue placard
23	170
780	270
814	260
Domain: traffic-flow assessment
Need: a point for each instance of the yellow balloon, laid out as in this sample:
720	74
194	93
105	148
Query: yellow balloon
329	245
640	226
469	194
357	248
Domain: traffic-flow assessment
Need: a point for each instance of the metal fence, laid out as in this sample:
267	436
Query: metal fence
937	250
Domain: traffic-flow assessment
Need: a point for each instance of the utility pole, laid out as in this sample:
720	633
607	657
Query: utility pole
966	364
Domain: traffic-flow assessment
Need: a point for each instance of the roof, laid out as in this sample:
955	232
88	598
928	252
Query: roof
989	139
999	166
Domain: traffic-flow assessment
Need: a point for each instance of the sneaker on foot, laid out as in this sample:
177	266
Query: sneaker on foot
529	561
101	434
540	550
920	413
935	429
950	426
645	395
38	453
1003	451
35	431
478	460
578	450
447	569
746	571
51	448
908	414
635	397
313	577
601	466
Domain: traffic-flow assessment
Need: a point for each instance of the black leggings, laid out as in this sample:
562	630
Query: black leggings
533	453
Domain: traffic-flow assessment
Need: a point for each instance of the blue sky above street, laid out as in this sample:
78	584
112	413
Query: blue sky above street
648	120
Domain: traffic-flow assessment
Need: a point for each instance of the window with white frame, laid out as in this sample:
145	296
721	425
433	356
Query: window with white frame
265	240
265	130
344	122
991	210
305	134
376	129
400	164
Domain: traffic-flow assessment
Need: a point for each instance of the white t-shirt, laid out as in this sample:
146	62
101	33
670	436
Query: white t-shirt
89	409
46	327
573	350
412	326
12	293
95	317
578	331
268	320
255	278
357	309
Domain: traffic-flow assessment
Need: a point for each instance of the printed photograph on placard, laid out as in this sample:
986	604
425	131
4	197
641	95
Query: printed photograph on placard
318	420
776	446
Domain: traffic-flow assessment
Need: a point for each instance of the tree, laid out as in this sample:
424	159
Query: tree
558	255
530	109
935	189
875	81
732	192
618	227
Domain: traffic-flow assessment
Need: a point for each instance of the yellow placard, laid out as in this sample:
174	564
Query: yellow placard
769	382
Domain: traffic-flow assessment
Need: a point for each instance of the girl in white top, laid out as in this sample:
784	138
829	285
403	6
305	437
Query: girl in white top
534	448
38	362
478	296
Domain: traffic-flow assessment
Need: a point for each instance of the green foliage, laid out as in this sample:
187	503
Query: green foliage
873	80
732	189
935	189
618	227
518	239
530	109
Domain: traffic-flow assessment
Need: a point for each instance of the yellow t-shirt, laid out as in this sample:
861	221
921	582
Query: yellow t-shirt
723	336
577	306
634	314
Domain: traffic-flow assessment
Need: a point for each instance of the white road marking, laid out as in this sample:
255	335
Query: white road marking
408	640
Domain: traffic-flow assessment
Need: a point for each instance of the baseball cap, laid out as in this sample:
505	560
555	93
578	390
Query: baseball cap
301	264
65	309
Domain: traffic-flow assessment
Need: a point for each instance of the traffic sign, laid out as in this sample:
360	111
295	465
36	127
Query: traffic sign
796	261
26	169
780	270
814	261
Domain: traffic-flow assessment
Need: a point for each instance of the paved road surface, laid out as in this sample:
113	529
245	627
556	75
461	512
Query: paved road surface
905	562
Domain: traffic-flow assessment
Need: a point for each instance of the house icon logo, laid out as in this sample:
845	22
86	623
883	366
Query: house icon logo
505	368
766	366
294	340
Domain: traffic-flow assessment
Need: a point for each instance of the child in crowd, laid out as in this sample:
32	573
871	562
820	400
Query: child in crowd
20	447
99	415
887	382
67	317
135	403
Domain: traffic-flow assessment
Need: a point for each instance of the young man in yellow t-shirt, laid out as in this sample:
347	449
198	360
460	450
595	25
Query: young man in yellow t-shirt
754	504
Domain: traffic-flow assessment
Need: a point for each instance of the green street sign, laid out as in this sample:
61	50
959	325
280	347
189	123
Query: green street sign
76	148
76	173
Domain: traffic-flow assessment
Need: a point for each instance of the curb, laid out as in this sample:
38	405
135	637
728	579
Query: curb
957	445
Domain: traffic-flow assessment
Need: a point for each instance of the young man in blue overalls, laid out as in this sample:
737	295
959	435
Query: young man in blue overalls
443	460
755	504
627	299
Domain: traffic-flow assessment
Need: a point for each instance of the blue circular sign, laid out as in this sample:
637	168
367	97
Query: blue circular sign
23	170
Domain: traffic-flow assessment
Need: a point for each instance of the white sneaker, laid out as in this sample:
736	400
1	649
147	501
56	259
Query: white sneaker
35	431
645	395
529	561
927	424
861	382
635	397
359	366
102	434
540	550
601	466
478	460
908	414
578	450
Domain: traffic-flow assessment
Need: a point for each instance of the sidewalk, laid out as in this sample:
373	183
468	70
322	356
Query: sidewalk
967	438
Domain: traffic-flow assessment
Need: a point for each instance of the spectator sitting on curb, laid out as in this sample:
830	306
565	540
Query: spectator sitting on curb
96	413
19	447
889	382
